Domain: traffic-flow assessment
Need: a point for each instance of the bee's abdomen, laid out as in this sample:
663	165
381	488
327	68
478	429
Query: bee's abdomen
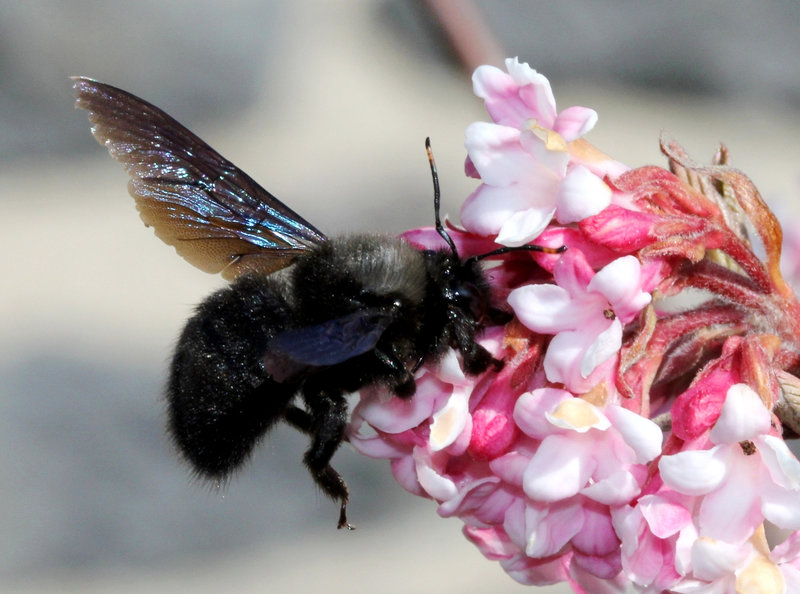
220	399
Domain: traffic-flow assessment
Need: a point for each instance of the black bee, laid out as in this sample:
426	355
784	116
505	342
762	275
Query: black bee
305	316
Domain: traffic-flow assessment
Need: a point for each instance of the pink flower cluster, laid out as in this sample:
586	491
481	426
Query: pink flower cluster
633	440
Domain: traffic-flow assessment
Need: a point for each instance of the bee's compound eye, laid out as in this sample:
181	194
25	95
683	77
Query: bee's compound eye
467	297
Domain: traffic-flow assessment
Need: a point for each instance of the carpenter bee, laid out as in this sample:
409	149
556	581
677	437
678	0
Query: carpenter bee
306	319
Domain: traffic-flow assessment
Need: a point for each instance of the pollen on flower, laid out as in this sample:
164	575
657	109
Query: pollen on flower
577	414
628	443
553	141
448	423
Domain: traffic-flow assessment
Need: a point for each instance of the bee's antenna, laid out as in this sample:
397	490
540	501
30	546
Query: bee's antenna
443	232
439	227
518	248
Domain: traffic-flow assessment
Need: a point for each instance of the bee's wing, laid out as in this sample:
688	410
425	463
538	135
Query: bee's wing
213	213
333	341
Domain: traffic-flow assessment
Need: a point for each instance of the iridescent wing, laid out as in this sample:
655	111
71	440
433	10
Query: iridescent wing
212	212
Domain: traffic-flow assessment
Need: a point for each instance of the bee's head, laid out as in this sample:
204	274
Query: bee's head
461	284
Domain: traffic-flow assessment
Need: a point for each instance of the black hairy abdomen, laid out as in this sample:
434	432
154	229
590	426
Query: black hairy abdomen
220	398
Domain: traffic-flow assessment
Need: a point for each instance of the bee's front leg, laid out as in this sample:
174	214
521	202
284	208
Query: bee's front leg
401	380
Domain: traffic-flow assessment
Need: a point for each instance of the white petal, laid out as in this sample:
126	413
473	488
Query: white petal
449	369
437	486
620	283
617	489
617	279
560	468
694	472
683	548
781	507
488	207
486	78
496	153
562	358
783	467
743	416
548	149
605	346
641	434
732	511
524	226
542	308
713	559
581	194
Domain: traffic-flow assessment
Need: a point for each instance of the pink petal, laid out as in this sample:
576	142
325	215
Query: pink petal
581	194
499	92
525	570
791	576
493	542
597	536
372	444
573	272
395	415
493	427
468	497
510	467
697	409
501	95
404	471
534	90
664	515
743	416
645	558
519	515
549	534
573	122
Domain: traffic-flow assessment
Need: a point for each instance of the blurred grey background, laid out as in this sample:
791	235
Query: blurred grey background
327	104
